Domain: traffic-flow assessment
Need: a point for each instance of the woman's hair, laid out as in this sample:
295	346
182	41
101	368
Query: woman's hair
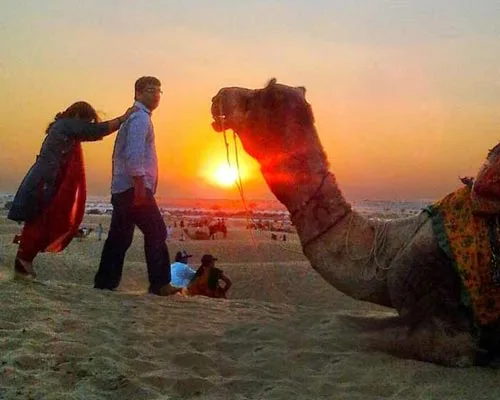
80	109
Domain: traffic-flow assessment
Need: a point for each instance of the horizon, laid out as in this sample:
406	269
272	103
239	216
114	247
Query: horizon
405	95
91	198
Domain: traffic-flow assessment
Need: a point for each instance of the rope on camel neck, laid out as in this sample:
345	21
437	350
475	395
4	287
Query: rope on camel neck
239	183
381	229
314	195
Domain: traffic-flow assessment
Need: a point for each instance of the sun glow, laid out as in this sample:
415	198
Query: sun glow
225	175
214	168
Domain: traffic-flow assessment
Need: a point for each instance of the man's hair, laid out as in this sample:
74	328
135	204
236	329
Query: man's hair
143	81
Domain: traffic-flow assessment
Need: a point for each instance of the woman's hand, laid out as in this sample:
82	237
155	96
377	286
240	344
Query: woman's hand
129	112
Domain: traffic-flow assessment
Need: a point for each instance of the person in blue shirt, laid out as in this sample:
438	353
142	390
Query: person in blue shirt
180	271
133	188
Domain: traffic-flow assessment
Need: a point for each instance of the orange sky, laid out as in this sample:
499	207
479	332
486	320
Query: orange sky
406	98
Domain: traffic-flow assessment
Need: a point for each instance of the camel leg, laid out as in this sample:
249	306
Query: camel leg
426	291
490	340
435	341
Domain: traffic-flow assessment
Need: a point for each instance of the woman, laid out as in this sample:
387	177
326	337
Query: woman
51	198
206	281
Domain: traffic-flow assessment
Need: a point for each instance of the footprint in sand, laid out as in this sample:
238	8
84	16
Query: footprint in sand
202	364
185	386
70	325
27	361
201	346
316	361
191	386
251	387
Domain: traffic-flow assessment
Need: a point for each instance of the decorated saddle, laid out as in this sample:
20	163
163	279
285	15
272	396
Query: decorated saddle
472	241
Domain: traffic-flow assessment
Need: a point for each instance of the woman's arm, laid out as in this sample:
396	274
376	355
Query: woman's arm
90	131
227	281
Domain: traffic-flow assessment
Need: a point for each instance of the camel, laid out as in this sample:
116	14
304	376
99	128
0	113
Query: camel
217	227
396	263
198	234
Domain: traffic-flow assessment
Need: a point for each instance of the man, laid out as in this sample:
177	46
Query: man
170	232
206	281
133	185
181	272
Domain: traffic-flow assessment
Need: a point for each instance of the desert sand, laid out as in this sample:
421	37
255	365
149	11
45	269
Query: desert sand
283	333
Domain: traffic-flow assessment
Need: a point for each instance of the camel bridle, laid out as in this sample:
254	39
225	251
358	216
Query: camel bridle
221	118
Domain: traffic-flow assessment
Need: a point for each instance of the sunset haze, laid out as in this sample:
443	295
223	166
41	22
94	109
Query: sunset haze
406	94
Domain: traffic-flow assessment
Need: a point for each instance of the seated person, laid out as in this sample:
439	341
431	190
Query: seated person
206	281
181	273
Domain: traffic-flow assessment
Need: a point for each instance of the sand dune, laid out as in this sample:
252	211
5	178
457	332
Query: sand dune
283	334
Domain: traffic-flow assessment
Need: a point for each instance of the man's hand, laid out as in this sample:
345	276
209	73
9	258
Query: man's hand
140	196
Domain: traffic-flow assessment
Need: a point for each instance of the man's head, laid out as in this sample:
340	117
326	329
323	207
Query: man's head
208	260
182	257
148	91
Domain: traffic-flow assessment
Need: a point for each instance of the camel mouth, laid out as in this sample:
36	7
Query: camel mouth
229	108
218	117
218	123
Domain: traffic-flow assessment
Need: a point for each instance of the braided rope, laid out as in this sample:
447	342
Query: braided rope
379	243
239	184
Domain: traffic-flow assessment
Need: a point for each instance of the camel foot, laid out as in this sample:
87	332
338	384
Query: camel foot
453	350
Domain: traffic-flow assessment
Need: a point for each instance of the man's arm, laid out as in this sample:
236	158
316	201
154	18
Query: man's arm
137	130
187	272
140	197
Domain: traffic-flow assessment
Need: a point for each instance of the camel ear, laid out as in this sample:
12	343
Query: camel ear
303	90
272	82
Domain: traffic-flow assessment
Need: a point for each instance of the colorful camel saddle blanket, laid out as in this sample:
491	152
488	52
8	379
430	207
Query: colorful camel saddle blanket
472	243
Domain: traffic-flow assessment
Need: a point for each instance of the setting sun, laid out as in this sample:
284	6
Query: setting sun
225	175
216	171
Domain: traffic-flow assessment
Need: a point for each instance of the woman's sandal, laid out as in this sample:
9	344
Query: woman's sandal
23	270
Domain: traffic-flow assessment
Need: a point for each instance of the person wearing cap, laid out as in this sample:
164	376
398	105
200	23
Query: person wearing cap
181	273
207	280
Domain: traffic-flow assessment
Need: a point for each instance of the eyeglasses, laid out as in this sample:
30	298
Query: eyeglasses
154	91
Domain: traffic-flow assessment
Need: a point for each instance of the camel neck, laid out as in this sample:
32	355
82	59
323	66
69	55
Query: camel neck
321	212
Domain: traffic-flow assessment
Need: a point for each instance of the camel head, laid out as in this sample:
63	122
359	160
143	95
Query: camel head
276	127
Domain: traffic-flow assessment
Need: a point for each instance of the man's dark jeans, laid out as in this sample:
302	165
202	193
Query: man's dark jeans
123	221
